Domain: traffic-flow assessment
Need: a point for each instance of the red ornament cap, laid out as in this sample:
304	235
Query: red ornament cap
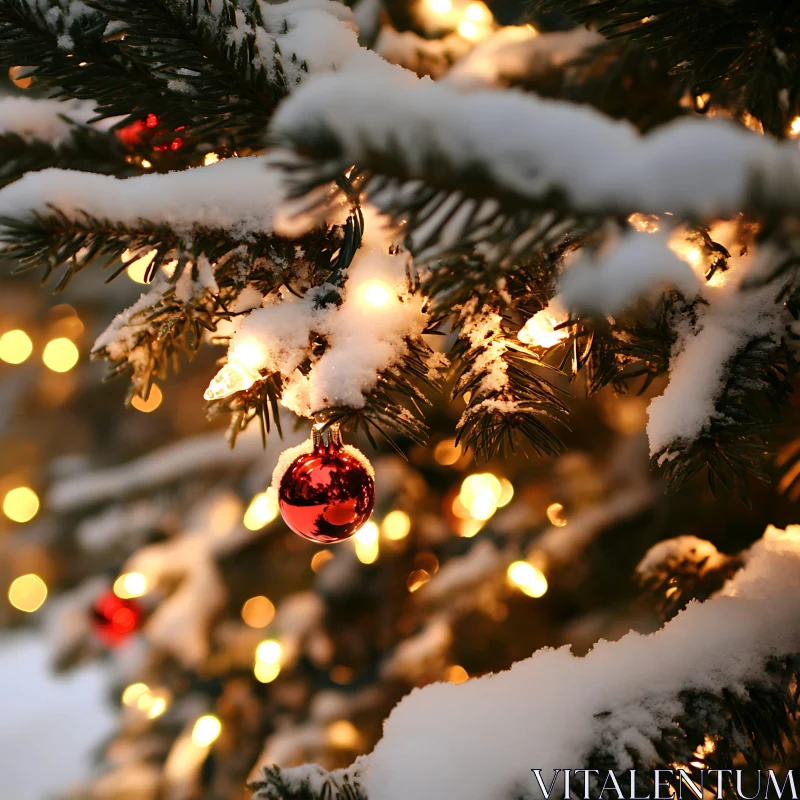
115	619
327	492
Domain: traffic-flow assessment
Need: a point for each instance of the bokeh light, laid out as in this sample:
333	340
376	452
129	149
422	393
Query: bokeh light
258	612
60	355
15	346
27	593
21	504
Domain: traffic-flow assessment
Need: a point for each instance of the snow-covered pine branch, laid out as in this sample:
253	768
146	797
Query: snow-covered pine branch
635	703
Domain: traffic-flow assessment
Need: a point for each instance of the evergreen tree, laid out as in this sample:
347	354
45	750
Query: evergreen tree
556	239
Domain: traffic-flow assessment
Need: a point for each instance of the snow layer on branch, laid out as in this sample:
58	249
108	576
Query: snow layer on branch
607	282
42	120
481	739
531	146
238	195
698	368
519	52
171	463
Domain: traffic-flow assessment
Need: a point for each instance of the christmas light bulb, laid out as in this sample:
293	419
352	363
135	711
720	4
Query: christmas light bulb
27	593
469	30
375	292
476	12
60	355
130	584
15	346
21	504
794	127
206	731
269	651
232	378
527	578
540	329
441	6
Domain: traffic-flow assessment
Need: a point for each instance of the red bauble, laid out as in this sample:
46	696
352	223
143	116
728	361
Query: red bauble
327	493
115	619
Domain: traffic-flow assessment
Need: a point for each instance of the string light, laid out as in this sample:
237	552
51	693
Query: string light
645	223
320	559
268	661
131	694
146	164
209	159
15	346
153	401
457	674
540	329
21	504
396	525
137	269
240	373
27	593
481	495
366	543
441	6
206	731
375	292
794	127
18	77
476	12
262	510
130	584
344	734
555	514
446	453
258	612
60	355
469	30
527	578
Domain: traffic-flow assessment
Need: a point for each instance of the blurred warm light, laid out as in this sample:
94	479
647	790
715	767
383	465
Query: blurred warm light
27	593
644	223
476	12
428	561
18	77
441	6
344	734
15	346
146	164
320	559
132	693
396	525
794	127
258	612
467	528
555	513
206	731
266	673
131	584
60	355
137	269
262	510
151	404
240	373
457	674
375	292
469	30
708	746
269	651
210	158
446	453
157	707
527	578
21	504
366	543
506	493
540	329
341	674
417	579
481	495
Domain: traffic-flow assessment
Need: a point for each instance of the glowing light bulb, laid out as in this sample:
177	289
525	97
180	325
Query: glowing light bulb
446	453
417	579
480	495
131	694
27	593
644	223
320	559
137	269
540	329
258	612
206	731
157	707
146	164
209	159
262	510
269	651
456	674
476	12
130	584
344	734
527	578
396	525
555	513
441	6
366	543
60	355
376	293
21	504
794	127
266	673
469	30
153	401
245	360
15	346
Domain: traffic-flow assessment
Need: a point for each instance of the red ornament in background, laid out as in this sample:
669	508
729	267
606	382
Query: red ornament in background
115	619
327	492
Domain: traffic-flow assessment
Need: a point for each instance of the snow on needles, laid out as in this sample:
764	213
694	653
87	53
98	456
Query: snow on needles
531	146
238	195
481	739
48	121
